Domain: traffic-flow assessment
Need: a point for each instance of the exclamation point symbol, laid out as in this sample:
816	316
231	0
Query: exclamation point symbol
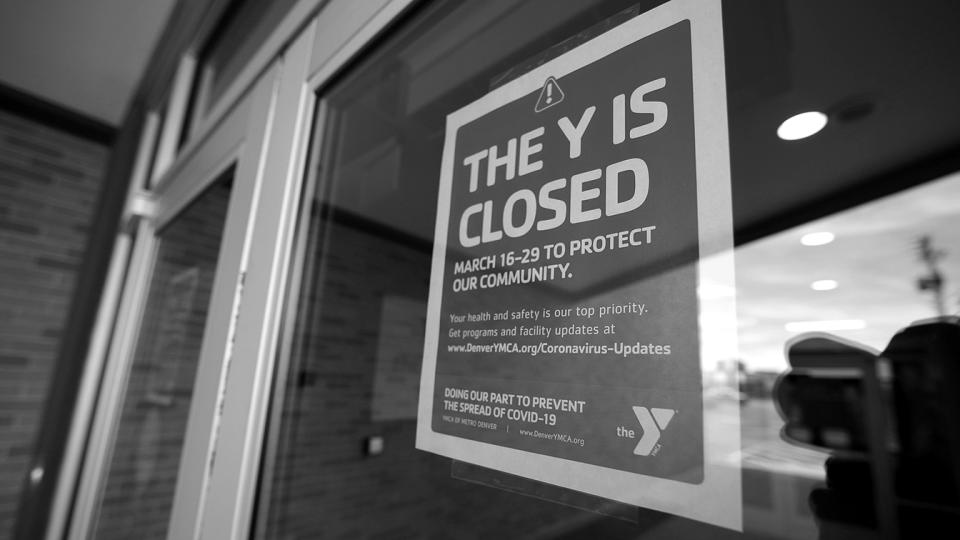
550	95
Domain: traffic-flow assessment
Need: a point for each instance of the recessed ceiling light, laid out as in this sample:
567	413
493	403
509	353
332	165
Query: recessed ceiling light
825	326
817	238
802	125
824	285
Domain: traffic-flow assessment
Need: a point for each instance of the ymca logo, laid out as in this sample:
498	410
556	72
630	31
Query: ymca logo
653	421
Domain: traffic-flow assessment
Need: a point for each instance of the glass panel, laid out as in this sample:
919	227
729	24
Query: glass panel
146	455
835	443
861	275
243	28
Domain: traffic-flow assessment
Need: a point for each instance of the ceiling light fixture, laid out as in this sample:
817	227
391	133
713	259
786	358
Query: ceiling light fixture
802	125
824	285
817	238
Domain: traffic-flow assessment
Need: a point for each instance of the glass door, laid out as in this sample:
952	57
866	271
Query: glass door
158	408
847	319
142	474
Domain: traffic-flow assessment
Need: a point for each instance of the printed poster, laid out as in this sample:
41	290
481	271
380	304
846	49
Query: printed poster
582	208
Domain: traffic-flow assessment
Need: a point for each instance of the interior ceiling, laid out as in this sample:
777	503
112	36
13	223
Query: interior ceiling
85	55
895	61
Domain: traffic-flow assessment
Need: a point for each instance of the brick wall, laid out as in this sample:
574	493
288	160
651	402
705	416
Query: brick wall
49	184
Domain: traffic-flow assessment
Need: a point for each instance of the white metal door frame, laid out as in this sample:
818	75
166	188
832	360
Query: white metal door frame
237	139
226	508
339	32
103	329
265	132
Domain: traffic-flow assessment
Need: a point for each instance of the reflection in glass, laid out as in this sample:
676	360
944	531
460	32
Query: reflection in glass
875	259
340	460
143	470
242	29
869	392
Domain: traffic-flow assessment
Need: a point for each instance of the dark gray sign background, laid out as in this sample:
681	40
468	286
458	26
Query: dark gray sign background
665	273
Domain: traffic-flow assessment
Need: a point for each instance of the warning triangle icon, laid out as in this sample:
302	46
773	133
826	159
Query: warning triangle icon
550	95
